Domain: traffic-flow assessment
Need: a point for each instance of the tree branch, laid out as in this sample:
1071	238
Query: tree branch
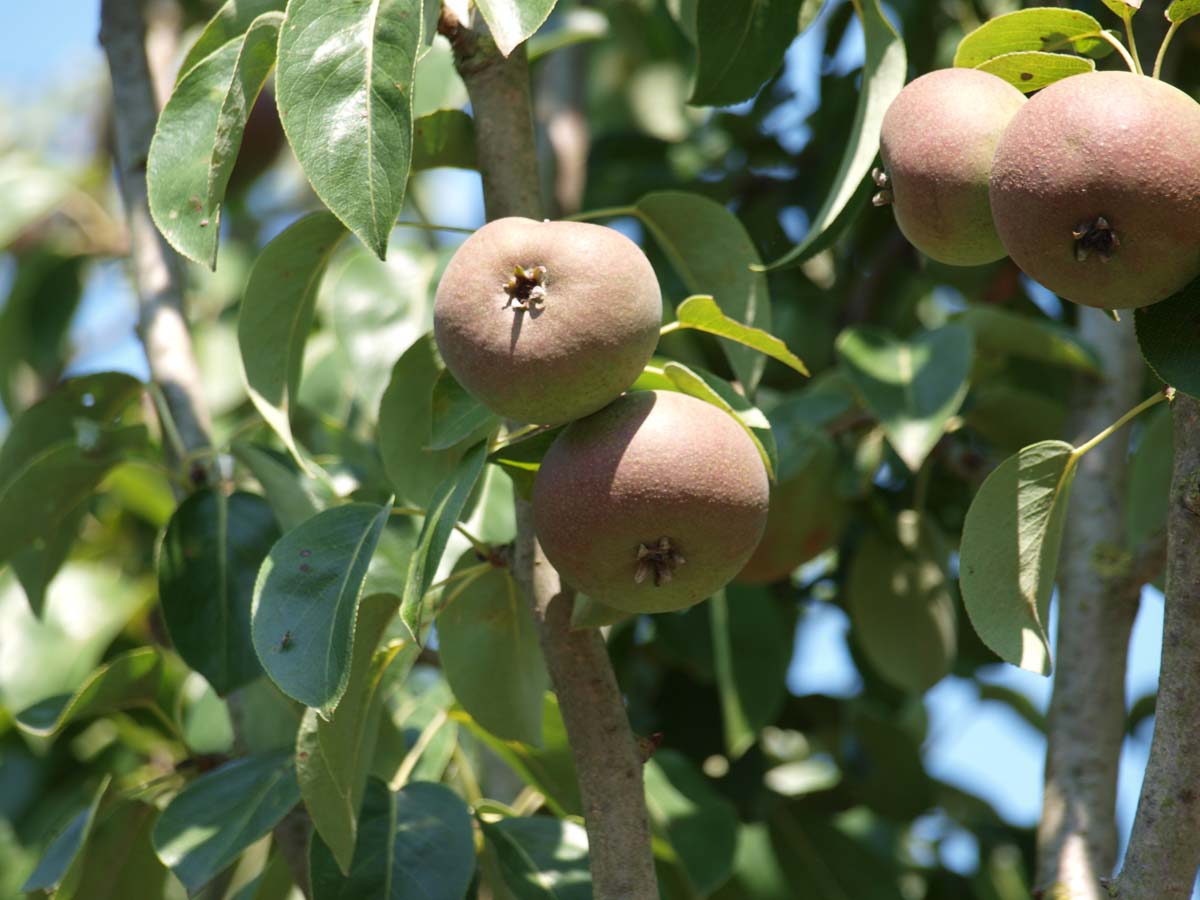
606	757
1077	836
1164	849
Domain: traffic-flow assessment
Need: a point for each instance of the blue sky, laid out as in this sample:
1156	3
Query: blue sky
50	45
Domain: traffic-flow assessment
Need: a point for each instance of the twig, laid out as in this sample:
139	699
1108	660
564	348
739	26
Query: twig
606	759
1164	848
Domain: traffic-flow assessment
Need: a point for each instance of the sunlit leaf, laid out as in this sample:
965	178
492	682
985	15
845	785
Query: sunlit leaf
61	866
1032	70
541	858
513	21
1182	10
228	23
703	314
1042	29
132	679
739	45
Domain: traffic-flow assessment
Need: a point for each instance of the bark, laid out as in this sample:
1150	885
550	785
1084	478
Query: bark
607	762
1164	849
1098	599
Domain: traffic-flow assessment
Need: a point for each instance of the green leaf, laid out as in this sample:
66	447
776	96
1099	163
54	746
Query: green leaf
541	858
1124	8
294	496
739	46
549	769
1166	332
1182	10
229	22
444	510
575	26
513	21
1026	337
344	88
912	387
444	138
46	492
1009	552
589	613
211	821
713	254
61	867
456	415
31	190
131	679
703	314
198	135
895	587
333	758
487	628
699	823
752	647
119	860
35	566
1032	70
207	565
1042	29
707	387
306	600
1149	487
885	67
413	844
276	317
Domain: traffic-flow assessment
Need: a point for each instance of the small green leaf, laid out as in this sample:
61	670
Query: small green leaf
894	587
198	135
1041	29
912	387
589	613
1124	8
1166	332
344	88
1009	553
211	821
306	600
713	254
541	858
739	46
1182	10
575	26
131	679
513	21
456	415
413	844
700	824
885	67
61	867
207	565
1027	337
228	23
333	758
703	314
444	509
707	387
1032	70
485	629
444	138
276	317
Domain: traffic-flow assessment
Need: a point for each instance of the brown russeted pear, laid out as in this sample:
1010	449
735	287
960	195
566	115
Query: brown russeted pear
545	322
652	504
1095	189
937	141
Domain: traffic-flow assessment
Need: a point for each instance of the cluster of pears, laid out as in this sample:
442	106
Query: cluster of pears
1092	185
647	501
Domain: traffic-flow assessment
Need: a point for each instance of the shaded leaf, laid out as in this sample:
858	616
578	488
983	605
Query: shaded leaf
333	758
294	496
228	23
513	21
444	510
1181	10
1009	552
1149	487
413	844
884	70
1123	8
739	46
344	89
276	316
306	600
31	190
207	565
912	387
703	314
541	858
444	138
1032	70
1001	331
485	629
198	135
131	679
119	862
208	824
456	415
1166	332
713	254
61	866
1041	29
589	613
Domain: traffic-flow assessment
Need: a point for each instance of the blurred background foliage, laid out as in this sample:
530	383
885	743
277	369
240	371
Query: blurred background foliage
769	784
